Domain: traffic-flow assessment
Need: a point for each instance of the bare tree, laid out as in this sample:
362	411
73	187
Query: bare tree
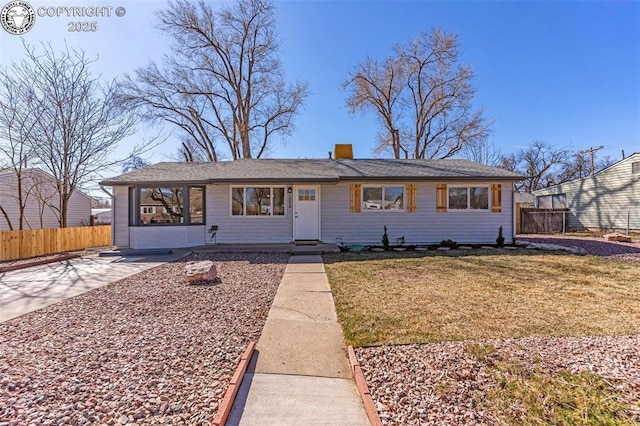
44	194
223	85
379	87
540	163
483	152
79	123
422	96
578	166
18	118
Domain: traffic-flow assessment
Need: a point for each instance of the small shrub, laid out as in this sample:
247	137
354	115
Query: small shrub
448	243
500	239
385	239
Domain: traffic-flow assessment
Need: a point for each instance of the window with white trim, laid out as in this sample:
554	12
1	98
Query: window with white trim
390	198
468	198
257	201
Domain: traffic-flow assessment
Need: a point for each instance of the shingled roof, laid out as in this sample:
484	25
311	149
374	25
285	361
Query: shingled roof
303	170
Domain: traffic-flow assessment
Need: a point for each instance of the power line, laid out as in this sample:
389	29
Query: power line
592	152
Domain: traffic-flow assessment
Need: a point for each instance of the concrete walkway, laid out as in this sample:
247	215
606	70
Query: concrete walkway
300	373
26	290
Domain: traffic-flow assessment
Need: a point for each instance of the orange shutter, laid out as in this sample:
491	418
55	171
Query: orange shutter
441	197
496	198
356	189
411	198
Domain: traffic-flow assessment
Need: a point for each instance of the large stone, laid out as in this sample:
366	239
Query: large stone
617	237
201	271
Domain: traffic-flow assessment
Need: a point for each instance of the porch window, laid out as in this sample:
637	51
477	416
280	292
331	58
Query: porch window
390	198
196	205
257	201
469	198
181	205
555	201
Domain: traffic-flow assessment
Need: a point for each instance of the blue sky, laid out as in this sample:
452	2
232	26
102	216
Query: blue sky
564	72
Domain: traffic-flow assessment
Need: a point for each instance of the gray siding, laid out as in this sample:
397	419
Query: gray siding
40	196
79	211
422	227
337	222
120	220
255	229
604	200
142	237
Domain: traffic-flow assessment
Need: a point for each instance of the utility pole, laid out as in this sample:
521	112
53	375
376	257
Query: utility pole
592	152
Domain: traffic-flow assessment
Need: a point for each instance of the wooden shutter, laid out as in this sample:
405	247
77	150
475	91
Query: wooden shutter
496	198
356	204
411	198
441	197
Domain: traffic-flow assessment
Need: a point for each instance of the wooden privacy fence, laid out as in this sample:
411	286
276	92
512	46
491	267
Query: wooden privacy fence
37	242
542	221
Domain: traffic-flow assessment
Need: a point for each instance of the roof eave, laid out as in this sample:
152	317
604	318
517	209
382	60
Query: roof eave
220	181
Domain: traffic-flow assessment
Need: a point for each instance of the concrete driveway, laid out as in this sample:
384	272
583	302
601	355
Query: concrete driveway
32	288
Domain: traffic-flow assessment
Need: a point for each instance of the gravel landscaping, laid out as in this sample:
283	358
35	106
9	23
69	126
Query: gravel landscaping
442	383
148	349
597	246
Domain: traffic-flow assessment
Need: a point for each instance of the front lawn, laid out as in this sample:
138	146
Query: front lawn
392	298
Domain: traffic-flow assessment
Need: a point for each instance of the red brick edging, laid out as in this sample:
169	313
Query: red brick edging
227	402
38	262
363	389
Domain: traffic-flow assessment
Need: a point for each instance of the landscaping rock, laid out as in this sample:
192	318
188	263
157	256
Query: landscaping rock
399	249
150	345
487	248
201	271
443	248
441	383
465	248
618	237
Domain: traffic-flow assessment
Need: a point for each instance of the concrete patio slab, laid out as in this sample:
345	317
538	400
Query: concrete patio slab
26	290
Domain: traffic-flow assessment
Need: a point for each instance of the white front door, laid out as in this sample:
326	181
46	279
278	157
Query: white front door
306	212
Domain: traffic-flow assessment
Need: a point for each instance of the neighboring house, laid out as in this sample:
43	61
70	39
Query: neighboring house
40	199
610	199
329	200
101	216
524	199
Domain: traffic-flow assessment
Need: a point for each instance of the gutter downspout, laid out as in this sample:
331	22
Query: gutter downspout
113	210
513	212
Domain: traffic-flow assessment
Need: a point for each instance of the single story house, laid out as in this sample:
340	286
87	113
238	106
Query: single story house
41	201
101	216
609	199
328	200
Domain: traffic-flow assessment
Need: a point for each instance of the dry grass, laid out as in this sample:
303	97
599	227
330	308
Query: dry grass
531	398
392	298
